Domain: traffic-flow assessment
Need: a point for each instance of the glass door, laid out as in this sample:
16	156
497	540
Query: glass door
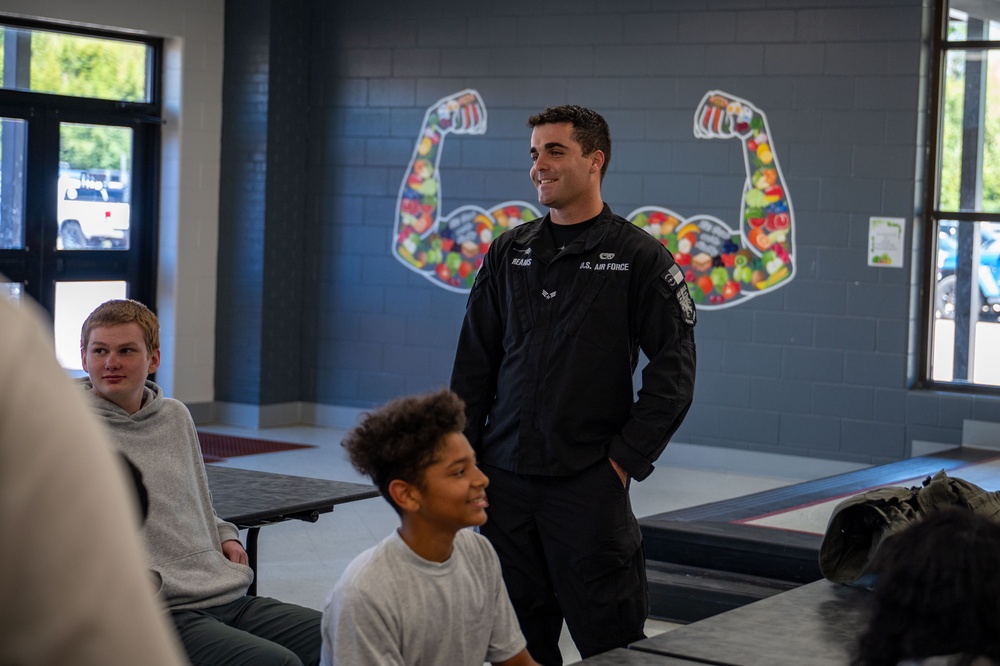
13	135
79	155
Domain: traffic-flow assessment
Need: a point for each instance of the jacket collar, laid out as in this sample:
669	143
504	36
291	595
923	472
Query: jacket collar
542	246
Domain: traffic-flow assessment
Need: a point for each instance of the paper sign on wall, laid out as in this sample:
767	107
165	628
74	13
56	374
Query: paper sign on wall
885	241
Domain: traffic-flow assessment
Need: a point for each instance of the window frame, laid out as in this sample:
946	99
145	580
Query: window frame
941	47
39	264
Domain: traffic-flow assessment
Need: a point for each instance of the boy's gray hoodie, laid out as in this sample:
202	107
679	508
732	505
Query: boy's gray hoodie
183	535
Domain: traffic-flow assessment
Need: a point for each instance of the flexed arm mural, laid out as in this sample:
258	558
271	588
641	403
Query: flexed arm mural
723	266
448	250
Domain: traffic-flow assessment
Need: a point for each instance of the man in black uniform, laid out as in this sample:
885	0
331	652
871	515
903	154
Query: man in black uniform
551	339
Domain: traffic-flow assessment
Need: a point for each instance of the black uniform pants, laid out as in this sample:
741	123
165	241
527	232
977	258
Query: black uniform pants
570	548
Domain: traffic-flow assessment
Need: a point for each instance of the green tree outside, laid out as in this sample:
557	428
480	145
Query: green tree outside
100	68
95	146
952	125
88	67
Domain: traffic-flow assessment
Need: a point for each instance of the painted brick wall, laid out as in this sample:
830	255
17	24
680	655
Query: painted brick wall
242	204
820	367
263	225
287	225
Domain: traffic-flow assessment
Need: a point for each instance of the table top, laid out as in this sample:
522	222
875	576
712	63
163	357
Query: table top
822	620
249	498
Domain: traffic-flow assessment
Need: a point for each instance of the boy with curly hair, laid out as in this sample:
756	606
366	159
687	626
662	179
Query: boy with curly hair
431	592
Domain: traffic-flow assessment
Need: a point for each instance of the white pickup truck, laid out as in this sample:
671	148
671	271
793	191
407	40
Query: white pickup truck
91	218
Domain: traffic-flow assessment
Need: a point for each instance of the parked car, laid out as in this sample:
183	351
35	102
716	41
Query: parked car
988	273
93	214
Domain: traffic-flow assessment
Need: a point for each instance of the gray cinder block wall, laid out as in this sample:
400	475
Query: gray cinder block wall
264	231
821	367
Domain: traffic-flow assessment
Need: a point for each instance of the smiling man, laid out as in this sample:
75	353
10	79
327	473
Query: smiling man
553	328
197	560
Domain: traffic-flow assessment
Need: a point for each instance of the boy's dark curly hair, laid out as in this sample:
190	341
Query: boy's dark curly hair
590	129
400	439
937	592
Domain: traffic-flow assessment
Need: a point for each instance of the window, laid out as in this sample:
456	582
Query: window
79	154
964	313
63	63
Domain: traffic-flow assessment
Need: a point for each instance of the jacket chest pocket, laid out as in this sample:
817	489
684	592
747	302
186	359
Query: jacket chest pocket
520	316
592	316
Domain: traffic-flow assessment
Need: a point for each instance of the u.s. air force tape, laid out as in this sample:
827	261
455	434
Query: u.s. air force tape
675	278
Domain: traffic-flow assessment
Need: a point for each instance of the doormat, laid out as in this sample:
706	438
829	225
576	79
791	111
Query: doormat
216	447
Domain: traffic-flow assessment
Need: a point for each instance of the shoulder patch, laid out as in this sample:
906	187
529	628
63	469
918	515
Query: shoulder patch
674	277
687	306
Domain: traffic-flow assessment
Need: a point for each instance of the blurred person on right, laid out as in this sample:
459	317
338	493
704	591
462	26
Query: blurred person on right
937	595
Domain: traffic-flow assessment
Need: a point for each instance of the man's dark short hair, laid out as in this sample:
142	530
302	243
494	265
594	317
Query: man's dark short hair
590	129
402	438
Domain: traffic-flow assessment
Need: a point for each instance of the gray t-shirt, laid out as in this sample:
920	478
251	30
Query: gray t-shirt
391	606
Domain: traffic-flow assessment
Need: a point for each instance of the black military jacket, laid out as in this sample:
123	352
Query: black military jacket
551	340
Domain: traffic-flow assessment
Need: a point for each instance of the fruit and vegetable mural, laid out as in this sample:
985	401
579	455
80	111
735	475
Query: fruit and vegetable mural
722	265
447	250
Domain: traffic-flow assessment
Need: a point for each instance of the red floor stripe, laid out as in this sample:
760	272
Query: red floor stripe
215	447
